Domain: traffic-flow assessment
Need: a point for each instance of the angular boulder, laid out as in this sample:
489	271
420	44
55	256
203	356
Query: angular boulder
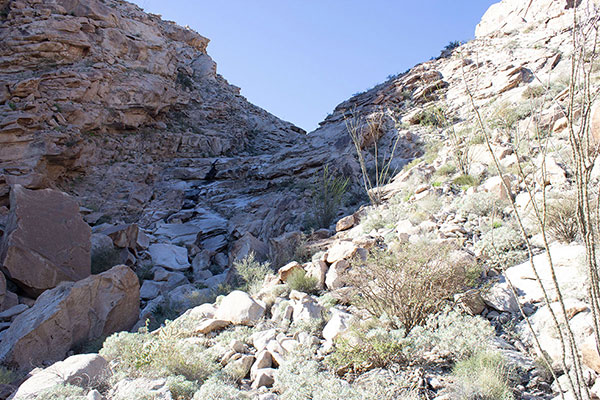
239	308
71	314
46	240
84	370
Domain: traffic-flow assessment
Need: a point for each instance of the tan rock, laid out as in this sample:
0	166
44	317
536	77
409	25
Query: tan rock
334	277
239	308
343	250
495	186
46	240
285	271
263	360
345	223
595	121
589	353
72	314
264	377
84	370
317	269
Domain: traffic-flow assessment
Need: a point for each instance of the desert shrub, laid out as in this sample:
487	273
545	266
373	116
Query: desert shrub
409	283
218	389
241	333
533	92
432	116
7	376
454	335
501	247
506	116
326	198
251	273
561	222
366	347
62	392
453	45
181	388
484	376
482	204
158	355
302	378
465	181
298	280
105	260
446	170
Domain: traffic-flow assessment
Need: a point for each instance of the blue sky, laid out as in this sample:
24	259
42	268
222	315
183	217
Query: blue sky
298	59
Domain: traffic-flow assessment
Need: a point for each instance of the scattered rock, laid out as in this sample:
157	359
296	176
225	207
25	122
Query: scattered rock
345	223
239	308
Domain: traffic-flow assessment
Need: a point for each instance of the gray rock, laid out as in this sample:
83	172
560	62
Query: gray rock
169	256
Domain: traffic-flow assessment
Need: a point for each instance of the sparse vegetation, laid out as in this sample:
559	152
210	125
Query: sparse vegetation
105	260
482	376
561	220
409	284
326	198
298	280
251	273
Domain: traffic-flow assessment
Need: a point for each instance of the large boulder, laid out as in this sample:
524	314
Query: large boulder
169	256
46	240
72	314
239	308
85	370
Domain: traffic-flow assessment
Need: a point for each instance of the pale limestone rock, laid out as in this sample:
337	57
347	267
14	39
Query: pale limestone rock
82	370
307	310
264	377
318	270
211	325
239	308
46	240
495	186
345	223
338	324
205	310
334	277
71	314
285	271
261	338
343	250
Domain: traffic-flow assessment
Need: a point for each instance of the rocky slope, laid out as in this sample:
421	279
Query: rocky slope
125	112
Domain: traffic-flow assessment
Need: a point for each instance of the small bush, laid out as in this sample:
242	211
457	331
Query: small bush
446	170
62	392
484	376
481	204
251	273
451	334
218	389
561	223
409	283
159	354
366	347
181	388
298	280
502	247
432	116
105	260
453	45
7	376
465	181
533	92
506	116
326	198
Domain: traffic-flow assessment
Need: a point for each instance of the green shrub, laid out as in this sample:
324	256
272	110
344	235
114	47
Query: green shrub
251	273
158	355
408	284
326	198
484	376
218	389
105	260
7	376
62	392
561	222
446	170
432	116
481	204
506	116
533	92
298	280
181	388
465	181
502	247
365	347
451	334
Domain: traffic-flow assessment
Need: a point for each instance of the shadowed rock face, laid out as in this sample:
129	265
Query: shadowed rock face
46	240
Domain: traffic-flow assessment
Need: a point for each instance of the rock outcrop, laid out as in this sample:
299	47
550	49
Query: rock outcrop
46	240
72	314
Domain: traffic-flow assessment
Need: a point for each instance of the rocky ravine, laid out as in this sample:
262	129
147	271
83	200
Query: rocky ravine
126	114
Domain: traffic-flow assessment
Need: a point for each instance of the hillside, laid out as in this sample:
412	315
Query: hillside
163	238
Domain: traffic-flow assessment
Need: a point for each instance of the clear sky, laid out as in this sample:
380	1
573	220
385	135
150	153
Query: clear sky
298	59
